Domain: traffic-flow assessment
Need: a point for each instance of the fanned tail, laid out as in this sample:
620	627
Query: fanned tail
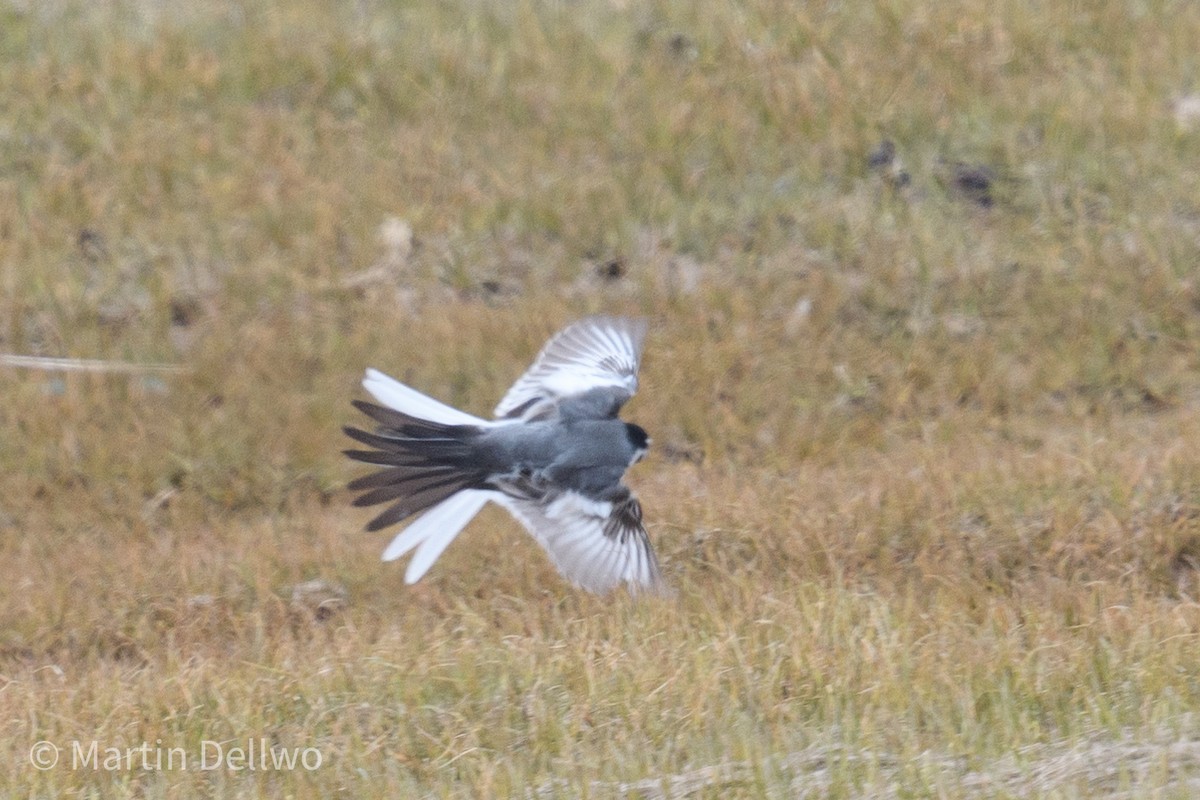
424	463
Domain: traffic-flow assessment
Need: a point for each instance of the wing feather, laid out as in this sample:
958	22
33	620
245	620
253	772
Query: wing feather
594	353
596	546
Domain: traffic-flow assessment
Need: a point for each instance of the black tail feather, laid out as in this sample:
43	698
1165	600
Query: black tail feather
414	483
391	476
424	463
397	423
417	502
384	458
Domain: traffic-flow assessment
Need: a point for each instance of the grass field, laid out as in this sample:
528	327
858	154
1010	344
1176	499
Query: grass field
923	379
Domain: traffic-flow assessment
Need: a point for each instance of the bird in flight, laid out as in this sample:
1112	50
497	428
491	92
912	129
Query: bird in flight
554	457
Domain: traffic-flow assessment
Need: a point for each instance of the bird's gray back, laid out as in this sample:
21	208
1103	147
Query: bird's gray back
584	455
595	457
532	445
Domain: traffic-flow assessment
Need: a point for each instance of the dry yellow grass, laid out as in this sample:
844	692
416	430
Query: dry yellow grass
924	475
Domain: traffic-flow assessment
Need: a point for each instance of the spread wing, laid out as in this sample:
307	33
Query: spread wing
594	353
596	545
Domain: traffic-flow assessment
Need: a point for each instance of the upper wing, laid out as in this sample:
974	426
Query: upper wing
594	353
595	545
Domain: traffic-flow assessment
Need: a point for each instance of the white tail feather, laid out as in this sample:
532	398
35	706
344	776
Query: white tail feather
394	394
433	531
452	521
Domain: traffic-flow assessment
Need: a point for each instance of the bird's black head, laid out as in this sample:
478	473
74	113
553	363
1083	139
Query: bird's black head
639	439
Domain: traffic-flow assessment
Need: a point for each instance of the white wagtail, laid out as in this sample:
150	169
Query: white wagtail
554	457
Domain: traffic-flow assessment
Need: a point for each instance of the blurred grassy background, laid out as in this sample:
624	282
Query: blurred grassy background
922	378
